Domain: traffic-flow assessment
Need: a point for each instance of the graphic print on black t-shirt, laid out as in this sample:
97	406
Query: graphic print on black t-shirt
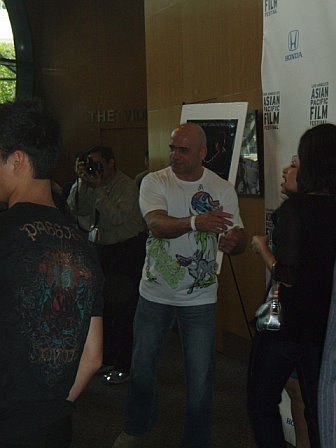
50	287
53	305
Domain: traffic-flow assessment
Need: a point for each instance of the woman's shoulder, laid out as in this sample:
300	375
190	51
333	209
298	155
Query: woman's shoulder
309	205
300	199
315	200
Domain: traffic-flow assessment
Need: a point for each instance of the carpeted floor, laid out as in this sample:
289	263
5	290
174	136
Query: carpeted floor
100	410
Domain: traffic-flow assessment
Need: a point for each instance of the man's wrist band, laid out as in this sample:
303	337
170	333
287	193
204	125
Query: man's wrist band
193	223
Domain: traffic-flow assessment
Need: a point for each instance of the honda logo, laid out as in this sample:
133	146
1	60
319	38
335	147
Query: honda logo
293	40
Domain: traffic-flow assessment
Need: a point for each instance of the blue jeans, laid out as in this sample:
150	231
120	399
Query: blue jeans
271	362
197	330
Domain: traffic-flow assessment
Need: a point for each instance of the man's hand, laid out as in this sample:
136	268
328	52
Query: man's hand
233	242
81	169
215	221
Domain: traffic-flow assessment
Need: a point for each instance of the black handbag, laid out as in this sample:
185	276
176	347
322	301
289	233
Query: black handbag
268	315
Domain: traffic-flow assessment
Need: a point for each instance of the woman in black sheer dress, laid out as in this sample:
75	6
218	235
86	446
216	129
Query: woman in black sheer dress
303	264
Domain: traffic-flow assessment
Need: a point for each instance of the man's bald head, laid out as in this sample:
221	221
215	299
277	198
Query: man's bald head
192	130
187	151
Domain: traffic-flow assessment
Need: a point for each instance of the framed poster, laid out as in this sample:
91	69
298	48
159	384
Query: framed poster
250	180
223	124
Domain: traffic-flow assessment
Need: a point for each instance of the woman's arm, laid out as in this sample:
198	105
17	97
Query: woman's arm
260	246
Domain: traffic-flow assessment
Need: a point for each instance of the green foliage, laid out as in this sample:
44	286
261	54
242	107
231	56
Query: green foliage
7	88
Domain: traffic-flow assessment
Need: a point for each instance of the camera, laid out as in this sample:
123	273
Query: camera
93	168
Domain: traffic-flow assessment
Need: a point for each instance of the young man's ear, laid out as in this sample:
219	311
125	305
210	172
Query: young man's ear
18	159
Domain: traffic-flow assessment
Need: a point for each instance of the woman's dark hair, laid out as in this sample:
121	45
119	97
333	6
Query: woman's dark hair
27	127
317	154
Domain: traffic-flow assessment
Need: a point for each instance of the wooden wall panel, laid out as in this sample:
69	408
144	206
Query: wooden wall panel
164	58
153	7
91	58
252	96
122	141
201	74
240	47
218	59
162	122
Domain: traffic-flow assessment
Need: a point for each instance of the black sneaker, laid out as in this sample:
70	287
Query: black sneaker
105	369
115	377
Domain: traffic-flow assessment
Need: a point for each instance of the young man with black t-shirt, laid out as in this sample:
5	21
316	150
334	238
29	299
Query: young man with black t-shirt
50	290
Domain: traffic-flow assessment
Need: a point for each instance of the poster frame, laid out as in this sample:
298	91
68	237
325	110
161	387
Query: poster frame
220	113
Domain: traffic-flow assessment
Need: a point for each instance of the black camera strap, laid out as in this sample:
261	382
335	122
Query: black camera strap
97	217
92	232
97	213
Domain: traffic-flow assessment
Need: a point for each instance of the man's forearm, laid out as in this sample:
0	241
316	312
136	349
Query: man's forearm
163	226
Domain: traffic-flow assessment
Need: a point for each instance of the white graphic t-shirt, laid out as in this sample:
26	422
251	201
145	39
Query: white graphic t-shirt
182	271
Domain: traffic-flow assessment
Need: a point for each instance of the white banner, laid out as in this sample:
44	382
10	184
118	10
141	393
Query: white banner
298	80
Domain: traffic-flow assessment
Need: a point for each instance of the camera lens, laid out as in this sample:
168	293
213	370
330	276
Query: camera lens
93	168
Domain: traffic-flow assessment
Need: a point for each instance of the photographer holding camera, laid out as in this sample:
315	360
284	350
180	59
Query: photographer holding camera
111	199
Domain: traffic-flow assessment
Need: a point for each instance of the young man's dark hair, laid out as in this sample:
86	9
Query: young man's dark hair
27	127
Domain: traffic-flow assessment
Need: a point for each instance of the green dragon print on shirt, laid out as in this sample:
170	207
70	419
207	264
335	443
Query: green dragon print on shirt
174	270
165	265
